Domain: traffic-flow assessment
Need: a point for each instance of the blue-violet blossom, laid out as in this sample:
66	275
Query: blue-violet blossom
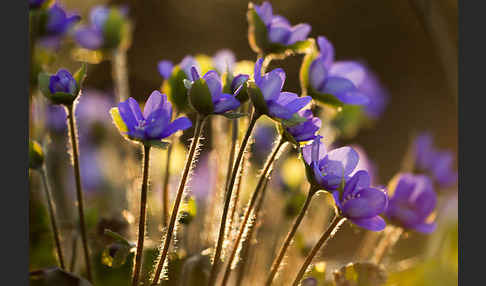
412	201
154	123
329	169
58	23
279	28
306	130
277	104
335	78
362	204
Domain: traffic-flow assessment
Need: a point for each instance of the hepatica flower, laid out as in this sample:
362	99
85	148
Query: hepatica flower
306	130
412	202
340	80
56	25
268	98
329	169
151	125
437	163
62	87
206	94
362	204
273	33
106	30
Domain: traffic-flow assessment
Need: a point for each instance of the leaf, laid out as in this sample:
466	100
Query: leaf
43	81
55	276
158	144
360	274
80	75
200	97
234	115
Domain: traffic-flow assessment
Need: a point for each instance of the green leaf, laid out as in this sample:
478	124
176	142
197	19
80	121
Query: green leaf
175	89
234	115
118	237
257	98
257	31
158	144
80	76
200	97
360	274
113	29
55	276
43	81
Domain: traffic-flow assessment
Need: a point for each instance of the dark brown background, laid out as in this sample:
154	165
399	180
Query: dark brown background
411	45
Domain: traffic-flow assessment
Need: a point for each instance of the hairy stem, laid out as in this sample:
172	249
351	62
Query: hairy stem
175	209
252	228
331	230
143	208
290	236
227	199
231	159
389	239
250	207
79	191
119	73
165	186
52	216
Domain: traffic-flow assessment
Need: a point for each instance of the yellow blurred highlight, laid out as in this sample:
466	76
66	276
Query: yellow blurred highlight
293	172
205	63
118	121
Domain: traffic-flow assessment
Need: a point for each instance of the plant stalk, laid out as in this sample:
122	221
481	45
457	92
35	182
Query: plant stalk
250	207
143	208
337	221
227	200
175	209
52	216
79	191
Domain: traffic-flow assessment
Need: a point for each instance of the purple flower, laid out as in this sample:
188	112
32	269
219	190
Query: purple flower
276	104
437	163
412	202
165	68
154	123
306	130
221	102
63	81
224	61
95	36
34	4
279	29
339	79
329	169
362	204
57	24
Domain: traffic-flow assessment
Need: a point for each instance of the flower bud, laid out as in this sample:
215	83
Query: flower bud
200	95
36	155
62	87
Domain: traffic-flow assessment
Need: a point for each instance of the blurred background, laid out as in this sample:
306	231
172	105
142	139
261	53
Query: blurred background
411	45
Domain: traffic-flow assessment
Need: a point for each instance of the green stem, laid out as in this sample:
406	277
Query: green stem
290	236
252	228
79	191
250	207
227	200
52	216
331	230
143	208
175	209
234	140
165	186
74	252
